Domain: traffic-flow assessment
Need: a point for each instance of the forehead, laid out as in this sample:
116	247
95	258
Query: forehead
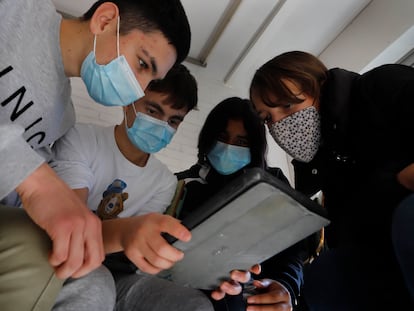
292	86
236	127
155	47
162	101
259	99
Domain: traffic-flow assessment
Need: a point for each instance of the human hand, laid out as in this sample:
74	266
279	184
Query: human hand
77	246
233	286
143	243
270	295
406	177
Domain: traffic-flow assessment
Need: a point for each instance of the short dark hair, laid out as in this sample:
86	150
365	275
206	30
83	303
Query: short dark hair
167	16
180	85
234	108
302	68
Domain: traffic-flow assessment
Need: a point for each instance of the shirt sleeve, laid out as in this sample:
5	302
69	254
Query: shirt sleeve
17	159
71	158
163	197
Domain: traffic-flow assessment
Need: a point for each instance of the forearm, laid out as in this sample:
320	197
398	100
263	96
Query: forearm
112	234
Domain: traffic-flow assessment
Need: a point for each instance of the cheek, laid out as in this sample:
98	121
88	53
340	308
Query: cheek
144	79
277	116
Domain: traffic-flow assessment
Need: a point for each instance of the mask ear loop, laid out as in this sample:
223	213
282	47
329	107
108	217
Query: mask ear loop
117	35
125	116
94	45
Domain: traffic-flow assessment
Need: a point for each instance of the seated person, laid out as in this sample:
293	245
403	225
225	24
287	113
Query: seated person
114	170
232	139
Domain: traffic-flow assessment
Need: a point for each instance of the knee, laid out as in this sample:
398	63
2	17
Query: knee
94	291
99	282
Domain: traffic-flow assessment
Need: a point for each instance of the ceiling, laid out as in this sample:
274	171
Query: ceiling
232	38
228	36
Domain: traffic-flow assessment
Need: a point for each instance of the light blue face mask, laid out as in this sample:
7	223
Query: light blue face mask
149	134
113	84
227	159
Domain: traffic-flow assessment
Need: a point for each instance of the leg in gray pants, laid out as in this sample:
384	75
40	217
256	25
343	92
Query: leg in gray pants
92	292
141	292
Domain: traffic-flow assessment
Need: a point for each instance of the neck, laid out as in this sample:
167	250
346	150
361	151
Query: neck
128	150
76	41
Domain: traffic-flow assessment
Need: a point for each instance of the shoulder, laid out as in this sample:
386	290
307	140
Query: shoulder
390	69
192	172
160	169
80	137
82	132
388	77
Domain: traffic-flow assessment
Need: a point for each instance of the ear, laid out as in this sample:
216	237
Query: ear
105	18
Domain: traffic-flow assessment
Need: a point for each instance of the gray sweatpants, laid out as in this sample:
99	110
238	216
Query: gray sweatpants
142	292
92	292
134	292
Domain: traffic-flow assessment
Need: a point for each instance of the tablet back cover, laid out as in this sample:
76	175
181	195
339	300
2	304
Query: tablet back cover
253	218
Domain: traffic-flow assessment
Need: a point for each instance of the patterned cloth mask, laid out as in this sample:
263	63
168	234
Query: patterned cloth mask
227	159
113	84
298	134
149	134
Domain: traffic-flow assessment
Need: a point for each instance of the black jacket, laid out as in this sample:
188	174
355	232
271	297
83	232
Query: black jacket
367	128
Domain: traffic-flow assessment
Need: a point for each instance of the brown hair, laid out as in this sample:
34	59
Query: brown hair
303	69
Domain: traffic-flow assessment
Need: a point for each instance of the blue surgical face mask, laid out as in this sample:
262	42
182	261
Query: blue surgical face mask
113	84
149	134
227	159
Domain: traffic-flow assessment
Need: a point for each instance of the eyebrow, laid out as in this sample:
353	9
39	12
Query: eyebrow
237	136
157	107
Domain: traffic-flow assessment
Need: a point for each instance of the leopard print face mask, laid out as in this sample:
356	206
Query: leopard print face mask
298	134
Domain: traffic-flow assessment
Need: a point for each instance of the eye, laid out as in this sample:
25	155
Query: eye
174	123
142	64
287	106
222	137
242	142
151	111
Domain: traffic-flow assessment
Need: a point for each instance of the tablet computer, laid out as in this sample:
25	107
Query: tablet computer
251	219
